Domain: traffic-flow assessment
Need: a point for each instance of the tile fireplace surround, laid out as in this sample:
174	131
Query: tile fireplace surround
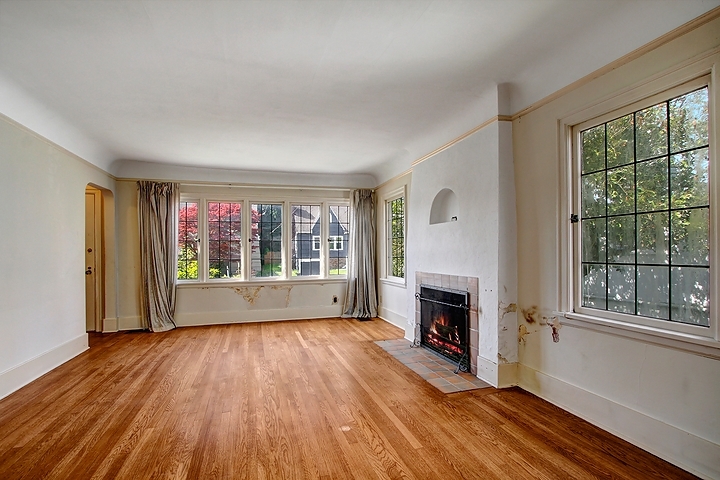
454	282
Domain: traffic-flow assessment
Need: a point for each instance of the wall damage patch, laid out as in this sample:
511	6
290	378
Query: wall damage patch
530	314
522	332
555	325
288	289
250	294
505	309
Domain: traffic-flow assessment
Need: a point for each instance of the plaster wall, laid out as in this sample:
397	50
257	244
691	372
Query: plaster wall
392	294
662	399
443	130
198	175
507	249
479	171
42	288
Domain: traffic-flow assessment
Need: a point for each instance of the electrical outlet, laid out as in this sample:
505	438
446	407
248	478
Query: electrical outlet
334	299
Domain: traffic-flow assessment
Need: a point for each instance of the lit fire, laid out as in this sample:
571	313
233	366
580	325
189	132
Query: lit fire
443	335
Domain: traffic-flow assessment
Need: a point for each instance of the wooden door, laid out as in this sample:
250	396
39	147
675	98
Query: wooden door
90	263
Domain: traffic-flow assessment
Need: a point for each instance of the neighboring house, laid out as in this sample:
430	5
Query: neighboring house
307	242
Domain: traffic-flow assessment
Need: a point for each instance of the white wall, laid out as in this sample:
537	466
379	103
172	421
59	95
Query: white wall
392	294
42	286
128	248
479	244
183	174
661	399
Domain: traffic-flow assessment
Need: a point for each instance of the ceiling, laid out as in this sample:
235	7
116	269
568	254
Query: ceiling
297	86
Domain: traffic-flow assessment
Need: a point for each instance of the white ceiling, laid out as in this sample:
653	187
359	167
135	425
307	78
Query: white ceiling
296	86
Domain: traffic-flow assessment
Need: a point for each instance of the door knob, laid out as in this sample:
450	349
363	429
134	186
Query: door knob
88	271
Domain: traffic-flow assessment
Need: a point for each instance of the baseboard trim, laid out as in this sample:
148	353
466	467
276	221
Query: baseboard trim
392	317
689	452
129	323
238	316
110	325
247	316
20	375
501	375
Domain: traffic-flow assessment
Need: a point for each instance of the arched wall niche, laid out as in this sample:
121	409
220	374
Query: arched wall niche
444	207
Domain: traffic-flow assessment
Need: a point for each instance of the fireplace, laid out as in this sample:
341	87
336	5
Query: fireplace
444	323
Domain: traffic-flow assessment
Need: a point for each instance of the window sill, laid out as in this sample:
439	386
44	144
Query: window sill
699	345
393	281
261	282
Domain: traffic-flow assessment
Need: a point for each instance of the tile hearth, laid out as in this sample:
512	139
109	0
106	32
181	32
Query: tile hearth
435	369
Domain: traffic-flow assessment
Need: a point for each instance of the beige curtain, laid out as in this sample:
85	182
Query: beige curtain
361	298
158	205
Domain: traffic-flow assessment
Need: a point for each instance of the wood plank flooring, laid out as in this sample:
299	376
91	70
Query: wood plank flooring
302	399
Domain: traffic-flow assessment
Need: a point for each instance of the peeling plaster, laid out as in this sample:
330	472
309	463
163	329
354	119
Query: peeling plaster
504	310
555	325
507	322
531	317
530	313
522	332
250	294
287	294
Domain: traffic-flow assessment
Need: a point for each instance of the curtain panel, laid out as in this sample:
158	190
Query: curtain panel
361	298
158	205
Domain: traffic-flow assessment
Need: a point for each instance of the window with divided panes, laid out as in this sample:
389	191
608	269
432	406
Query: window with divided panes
224	220
338	238
645	211
247	240
266	246
395	229
188	241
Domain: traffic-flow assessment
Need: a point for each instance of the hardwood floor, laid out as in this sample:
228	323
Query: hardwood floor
301	399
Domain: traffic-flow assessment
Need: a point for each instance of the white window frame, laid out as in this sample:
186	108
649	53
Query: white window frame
201	245
246	202
387	260
204	234
674	82
326	228
316	242
284	243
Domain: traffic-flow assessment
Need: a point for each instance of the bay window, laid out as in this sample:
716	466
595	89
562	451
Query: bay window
242	239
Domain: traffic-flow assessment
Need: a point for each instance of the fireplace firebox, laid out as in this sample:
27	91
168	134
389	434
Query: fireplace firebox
444	323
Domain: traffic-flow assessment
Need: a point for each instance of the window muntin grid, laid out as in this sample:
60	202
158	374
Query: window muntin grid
266	246
339	226
224	220
305	221
321	242
645	212
188	241
396	237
